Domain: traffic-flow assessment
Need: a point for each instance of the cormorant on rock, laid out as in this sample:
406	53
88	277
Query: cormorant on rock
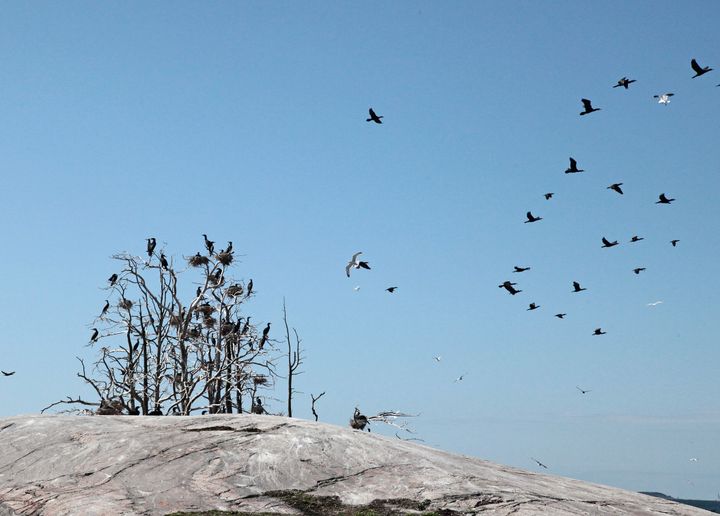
359	421
257	407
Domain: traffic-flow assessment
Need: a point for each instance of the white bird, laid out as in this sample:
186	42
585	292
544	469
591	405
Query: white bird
437	358
655	303
664	98
694	459
355	263
357	288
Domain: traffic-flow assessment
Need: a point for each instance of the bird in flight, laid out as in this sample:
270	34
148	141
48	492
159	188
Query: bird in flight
520	269
539	463
616	187
636	239
664	200
391	289
573	167
355	263
459	378
357	289
655	303
374	117
584	391
674	242
531	218
699	70
624	82
607	243
548	196
509	287
533	306
598	331
8	374
577	287
437	358
588	107
560	316
663	98
638	270
151	243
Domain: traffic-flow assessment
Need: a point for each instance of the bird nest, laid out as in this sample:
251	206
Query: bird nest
209	322
260	380
205	309
198	260
234	290
175	320
125	304
225	258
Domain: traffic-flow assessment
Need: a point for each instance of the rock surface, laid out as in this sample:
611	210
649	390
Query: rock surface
113	465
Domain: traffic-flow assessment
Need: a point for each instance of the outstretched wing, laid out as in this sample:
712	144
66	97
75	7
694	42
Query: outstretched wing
696	66
587	104
606	241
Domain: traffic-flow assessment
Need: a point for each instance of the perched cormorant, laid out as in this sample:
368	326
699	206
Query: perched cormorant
257	407
95	335
264	337
163	261
156	412
209	244
359	421
229	248
105	308
249	288
151	242
373	117
112	279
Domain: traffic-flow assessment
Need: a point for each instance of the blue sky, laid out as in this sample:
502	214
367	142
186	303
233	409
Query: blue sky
246	121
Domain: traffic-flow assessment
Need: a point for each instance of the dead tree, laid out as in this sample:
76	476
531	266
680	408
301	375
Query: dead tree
295	359
314	399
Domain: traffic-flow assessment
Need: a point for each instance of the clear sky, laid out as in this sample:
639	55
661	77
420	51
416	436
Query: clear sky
246	121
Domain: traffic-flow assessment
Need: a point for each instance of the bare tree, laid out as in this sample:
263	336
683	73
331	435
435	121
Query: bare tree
314	399
295	359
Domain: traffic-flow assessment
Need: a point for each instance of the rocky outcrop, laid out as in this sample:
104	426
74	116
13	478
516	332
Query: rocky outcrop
112	465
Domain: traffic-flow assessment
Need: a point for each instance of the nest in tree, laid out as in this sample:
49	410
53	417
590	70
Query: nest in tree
234	290
260	380
125	304
226	328
198	260
175	320
225	258
209	322
205	309
195	333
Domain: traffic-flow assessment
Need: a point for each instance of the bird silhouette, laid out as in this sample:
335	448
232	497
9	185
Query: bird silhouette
209	244
249	288
624	82
509	287
520	269
698	69
664	200
607	243
264	337
373	117
105	308
151	242
616	187
245	327
577	287
229	247
636	239
355	263
584	391
588	107
674	242
531	218
113	279
548	196
533	306
560	316
391	289
539	463
663	98
8	374
163	261
94	336
572	169
598	331
638	270
460	378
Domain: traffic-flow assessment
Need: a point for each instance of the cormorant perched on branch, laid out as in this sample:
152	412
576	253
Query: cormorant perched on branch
151	242
209	244
163	261
105	308
113	279
94	336
249	288
264	336
229	248
257	407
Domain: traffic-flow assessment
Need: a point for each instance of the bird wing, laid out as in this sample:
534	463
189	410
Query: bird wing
587	104
372	113
605	241
696	66
530	215
573	164
663	198
576	285
347	268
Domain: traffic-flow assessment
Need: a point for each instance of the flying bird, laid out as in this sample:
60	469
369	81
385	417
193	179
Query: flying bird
520	269
209	244
94	336
699	70
437	358
459	378
577	287
151	242
355	263
598	331
573	167
391	289
636	239
539	463
509	287
548	196
655	303
624	82
663	98
616	187
607	243
357	289
112	279
374	117
588	107
105	309
664	200
531	218
674	242
533	306
584	391
8	374
638	270
560	316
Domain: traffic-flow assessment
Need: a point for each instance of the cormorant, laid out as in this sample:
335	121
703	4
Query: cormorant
112	279
354	263
209	244
249	288
359	421
699	70
391	289
674	242
560	316
373	117
577	287
607	243
616	187
264	337
520	269
624	82
533	306
572	169
588	107
95	335
598	331
151	242
548	196
229	248
163	261
636	239
638	270
664	200
531	218
8	374
509	287
105	308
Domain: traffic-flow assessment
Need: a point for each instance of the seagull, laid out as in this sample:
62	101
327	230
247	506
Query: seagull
624	82
520	269
459	378
437	358
94	336
509	287
354	263
607	243
598	331
636	239
539	463
391	289
533	306
356	289
663	98
151	242
548	196
112	279
573	167
588	107
664	200
105	309
560	316
638	270
674	242
616	187
655	303
8	374
698	69
374	117
584	391
209	244
577	287
531	218
693	459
